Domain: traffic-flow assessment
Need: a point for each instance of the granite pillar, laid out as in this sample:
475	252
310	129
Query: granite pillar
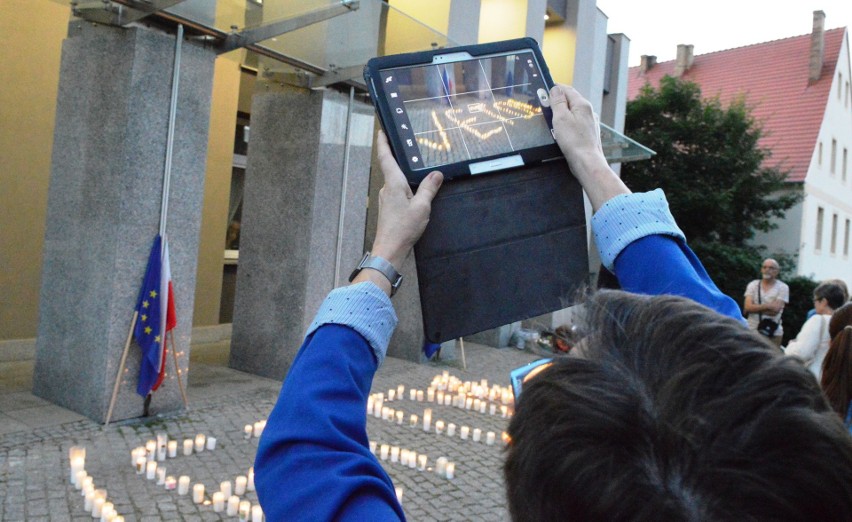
297	185
104	208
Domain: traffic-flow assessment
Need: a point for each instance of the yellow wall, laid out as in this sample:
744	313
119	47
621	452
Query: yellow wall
502	20
31	35
559	47
435	13
217	186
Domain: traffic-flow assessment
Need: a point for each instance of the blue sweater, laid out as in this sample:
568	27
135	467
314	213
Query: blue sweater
314	462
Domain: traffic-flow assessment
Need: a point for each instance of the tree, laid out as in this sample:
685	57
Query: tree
715	175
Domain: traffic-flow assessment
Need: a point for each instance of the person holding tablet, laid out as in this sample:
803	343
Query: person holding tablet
676	410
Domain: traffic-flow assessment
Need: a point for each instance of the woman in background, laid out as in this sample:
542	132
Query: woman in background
811	344
837	366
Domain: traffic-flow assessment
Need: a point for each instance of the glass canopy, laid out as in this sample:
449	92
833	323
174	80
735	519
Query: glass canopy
310	43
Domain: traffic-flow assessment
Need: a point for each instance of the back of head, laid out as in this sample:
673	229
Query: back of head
675	413
834	294
837	365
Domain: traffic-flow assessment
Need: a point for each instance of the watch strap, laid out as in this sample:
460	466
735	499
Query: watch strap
382	265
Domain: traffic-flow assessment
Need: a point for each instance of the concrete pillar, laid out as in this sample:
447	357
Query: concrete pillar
294	194
104	207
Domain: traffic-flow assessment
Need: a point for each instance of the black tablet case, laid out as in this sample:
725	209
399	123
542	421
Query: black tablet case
500	248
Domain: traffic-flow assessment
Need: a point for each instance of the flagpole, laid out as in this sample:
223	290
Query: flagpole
461	345
177	371
121	367
167	176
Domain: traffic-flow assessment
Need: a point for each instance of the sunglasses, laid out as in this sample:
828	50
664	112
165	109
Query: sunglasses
520	376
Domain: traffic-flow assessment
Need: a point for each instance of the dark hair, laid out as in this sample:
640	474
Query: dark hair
832	293
837	365
675	413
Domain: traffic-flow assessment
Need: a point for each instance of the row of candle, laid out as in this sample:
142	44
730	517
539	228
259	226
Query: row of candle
160	449
411	459
376	407
94	500
464	432
254	430
481	390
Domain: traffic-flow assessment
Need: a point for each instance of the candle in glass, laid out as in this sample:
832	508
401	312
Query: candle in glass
412	459
225	488
439	427
151	470
450	471
477	434
430	394
256	514
412	394
492	409
370	403
198	493
140	465
451	430
135	454
218	502
187	447
398	491
419	395
247	429
240	485
464	431
250	479
79	478
183	485
384	449
399	417
391	395
107	512
489	438
97	506
200	439
448	399
89	500
427	419
170	483
421	462
151	449
395	454
161	475
413	421
257	429
172	448
211	443
245	510
77	464
441	466
233	506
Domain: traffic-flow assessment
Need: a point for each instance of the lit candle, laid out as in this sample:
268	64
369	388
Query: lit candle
430	394
413	421
441	466
187	447
412	459
395	454
172	449
403	456
412	394
162	439
378	406
451	430
151	470
211	443
373	447
489	438
247	431
440	397
256	514
385	412
504	410
391	395
482	406
468	403
421	462
225	488
384	449
427	419
79	478
198	493
140	465
477	434
218	502
398	491
107	512
464	431
419	395
400	391
151	449
250	479
75	452
448	400
399	417
439	427
90	499
78	464
161	453
183	485
450	472
370	402
161	475
492	409
257	429
200	439
245	510
97	506
170	483
476	403
135	454
87	484
233	505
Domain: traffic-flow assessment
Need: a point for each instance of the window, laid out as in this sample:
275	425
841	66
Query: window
846	103
819	155
834	233
845	163
846	240
818	238
839	84
833	155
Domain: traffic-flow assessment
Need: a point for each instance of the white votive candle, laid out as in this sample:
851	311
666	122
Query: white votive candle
250	479
504	411
421	462
430	394
427	419
400	391
107	512
441	466
400	417
170	483
257	428
398	491
97	506
151	470
161	453
151	449
477	434
468	403
211	443
218	502
391	395
419	395
412	394
450	471
412	459
183	485
413	421
171	447
370	403
87	484
247	429
373	447
492	409
140	465
245	511
378	406
161	475
240	485
198	493
448	400
79	477
439	396
77	464
187	447
233	506
256	514
439	427
89	500
200	439
384	449
464	431
225	488
135	454
395	454
451	430
489	438
403	456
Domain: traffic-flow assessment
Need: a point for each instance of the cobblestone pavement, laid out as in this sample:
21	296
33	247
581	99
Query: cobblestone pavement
34	467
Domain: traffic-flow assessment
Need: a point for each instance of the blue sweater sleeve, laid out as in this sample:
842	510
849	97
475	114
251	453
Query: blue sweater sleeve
640	242
313	461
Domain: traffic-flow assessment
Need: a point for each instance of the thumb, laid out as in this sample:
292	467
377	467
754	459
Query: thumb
428	188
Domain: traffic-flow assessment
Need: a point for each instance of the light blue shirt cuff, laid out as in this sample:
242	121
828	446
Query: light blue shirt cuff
365	308
628	217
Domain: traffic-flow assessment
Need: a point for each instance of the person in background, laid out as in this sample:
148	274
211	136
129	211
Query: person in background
765	299
839	282
682	412
811	344
837	365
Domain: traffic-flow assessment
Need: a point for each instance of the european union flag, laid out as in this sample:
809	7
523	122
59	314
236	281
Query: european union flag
148	330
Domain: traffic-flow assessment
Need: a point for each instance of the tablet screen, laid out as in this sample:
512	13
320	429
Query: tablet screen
469	109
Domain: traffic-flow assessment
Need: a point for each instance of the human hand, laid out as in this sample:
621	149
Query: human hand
578	134
403	215
775	306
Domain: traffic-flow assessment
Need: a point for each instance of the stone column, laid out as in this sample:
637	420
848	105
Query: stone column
294	195
104	208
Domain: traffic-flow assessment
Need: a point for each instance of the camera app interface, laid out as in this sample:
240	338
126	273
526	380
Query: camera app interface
467	110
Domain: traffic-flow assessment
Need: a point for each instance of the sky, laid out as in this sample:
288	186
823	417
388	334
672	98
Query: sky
656	27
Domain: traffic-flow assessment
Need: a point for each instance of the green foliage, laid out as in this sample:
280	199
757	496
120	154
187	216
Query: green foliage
801	300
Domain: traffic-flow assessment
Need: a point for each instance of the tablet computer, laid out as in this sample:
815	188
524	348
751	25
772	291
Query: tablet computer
465	110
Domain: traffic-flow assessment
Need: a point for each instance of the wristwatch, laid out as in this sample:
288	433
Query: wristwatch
383	266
